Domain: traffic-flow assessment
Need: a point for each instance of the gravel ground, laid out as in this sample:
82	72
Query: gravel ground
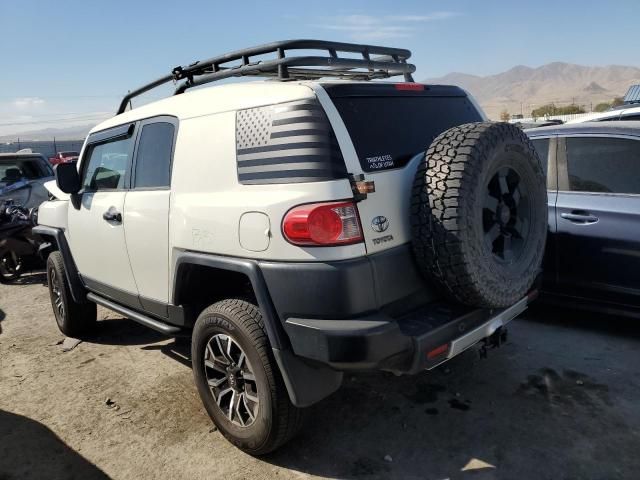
558	401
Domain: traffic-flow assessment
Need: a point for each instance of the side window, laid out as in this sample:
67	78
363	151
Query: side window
107	164
153	160
542	148
633	117
603	165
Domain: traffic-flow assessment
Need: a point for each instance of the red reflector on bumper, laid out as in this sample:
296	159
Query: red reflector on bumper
438	351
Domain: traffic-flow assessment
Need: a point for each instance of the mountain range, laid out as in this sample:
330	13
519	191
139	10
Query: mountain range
521	89
518	90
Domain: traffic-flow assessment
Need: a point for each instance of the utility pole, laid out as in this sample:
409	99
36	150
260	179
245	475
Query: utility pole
55	147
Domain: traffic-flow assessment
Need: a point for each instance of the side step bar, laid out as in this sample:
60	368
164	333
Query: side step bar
135	316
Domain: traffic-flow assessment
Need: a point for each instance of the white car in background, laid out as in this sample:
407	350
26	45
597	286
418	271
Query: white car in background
629	110
621	113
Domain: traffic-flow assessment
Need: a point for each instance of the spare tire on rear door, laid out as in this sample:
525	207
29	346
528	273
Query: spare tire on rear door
479	214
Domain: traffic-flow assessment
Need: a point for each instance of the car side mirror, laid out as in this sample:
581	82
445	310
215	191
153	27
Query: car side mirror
67	177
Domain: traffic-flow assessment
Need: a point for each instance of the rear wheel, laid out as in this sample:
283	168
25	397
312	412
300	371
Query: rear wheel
238	379
479	214
74	319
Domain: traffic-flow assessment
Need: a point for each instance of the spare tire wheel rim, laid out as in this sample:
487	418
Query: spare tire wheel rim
231	380
506	215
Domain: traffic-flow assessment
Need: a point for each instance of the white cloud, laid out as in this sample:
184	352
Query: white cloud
369	27
424	18
28	102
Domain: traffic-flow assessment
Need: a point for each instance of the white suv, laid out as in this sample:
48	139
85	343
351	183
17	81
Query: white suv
298	228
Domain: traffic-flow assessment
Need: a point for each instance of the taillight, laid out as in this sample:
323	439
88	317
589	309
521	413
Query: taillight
323	224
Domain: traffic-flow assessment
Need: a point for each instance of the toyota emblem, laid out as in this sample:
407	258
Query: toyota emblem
379	223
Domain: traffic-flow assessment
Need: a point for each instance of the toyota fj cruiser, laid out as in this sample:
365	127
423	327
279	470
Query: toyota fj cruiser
297	228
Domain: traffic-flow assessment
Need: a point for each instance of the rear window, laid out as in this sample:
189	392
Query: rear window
388	131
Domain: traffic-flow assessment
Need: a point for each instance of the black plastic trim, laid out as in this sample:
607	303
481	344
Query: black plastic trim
125	131
135	315
380	342
274	329
347	288
78	291
120	296
156	308
307	382
172	314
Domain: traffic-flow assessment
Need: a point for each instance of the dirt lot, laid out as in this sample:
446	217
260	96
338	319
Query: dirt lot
558	401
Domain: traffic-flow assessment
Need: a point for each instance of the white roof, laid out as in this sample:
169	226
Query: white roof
216	99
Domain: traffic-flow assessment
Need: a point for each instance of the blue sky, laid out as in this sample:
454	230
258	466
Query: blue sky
67	62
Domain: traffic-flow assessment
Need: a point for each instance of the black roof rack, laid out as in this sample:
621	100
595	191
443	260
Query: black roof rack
376	62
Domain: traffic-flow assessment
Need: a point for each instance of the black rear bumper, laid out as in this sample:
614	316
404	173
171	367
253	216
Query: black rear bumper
415	342
374	312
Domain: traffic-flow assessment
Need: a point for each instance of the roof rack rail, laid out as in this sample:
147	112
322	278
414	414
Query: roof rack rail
376	62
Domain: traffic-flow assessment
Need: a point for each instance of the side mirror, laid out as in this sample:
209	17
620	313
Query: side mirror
67	177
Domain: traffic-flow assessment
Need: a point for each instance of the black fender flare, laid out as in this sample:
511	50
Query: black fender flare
78	291
182	259
306	381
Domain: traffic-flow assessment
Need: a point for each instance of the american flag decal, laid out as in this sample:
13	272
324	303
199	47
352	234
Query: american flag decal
287	143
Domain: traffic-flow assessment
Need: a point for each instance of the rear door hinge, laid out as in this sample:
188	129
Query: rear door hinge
361	187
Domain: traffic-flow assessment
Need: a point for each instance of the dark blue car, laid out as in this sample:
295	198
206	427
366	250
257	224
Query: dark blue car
593	248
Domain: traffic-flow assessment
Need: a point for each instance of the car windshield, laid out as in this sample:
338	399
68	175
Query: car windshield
16	169
69	154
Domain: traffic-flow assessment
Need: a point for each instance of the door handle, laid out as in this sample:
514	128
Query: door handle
112	215
579	217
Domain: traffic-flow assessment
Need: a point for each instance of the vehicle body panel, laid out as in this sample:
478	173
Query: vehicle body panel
594	244
146	230
99	247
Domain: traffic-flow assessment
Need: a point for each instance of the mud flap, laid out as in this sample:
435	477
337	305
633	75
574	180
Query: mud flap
306	383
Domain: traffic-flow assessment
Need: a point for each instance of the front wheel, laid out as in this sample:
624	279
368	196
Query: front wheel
73	318
238	379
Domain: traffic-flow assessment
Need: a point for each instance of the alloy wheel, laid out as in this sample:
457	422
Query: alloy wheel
231	380
56	290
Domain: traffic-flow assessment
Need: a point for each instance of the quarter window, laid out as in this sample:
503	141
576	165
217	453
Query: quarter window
107	164
153	160
603	165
